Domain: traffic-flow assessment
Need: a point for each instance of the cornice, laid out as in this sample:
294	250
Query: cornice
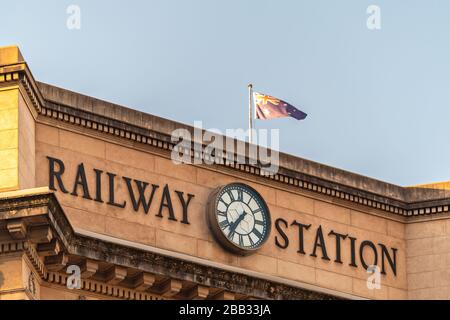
96	287
137	128
20	74
294	179
22	214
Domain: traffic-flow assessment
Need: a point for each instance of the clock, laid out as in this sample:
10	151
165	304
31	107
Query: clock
239	218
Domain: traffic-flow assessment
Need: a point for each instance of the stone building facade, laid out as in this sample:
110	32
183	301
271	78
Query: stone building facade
91	184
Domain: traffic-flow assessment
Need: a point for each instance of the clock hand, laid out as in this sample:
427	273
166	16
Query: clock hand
236	223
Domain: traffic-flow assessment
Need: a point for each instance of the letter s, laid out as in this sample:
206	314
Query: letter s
283	235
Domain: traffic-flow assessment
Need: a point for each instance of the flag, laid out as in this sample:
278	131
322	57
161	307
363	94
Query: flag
268	107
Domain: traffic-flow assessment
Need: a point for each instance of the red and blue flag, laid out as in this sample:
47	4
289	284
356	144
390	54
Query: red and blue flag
268	107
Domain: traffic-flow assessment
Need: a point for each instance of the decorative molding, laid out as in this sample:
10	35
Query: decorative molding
9	76
182	270
19	73
105	289
7	247
154	265
33	256
33	93
297	180
31	284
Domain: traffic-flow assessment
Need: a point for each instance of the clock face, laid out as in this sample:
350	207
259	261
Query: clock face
239	218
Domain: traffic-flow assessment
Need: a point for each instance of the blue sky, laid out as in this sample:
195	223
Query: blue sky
378	100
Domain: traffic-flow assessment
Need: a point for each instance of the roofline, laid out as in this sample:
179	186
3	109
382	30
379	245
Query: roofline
131	117
40	208
111	121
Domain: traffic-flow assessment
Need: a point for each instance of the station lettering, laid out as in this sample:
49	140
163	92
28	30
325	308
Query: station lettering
329	245
361	253
141	194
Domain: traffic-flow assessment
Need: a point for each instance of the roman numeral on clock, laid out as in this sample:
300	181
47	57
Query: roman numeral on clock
239	208
257	233
223	224
221	213
240	195
256	210
251	241
259	222
241	240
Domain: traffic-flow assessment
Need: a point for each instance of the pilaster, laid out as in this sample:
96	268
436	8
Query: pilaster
19	100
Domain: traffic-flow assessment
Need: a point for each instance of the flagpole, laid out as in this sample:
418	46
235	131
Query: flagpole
250	112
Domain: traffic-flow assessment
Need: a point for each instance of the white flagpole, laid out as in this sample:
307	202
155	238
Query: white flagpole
250	112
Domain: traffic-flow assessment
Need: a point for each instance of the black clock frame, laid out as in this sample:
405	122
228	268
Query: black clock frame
213	223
